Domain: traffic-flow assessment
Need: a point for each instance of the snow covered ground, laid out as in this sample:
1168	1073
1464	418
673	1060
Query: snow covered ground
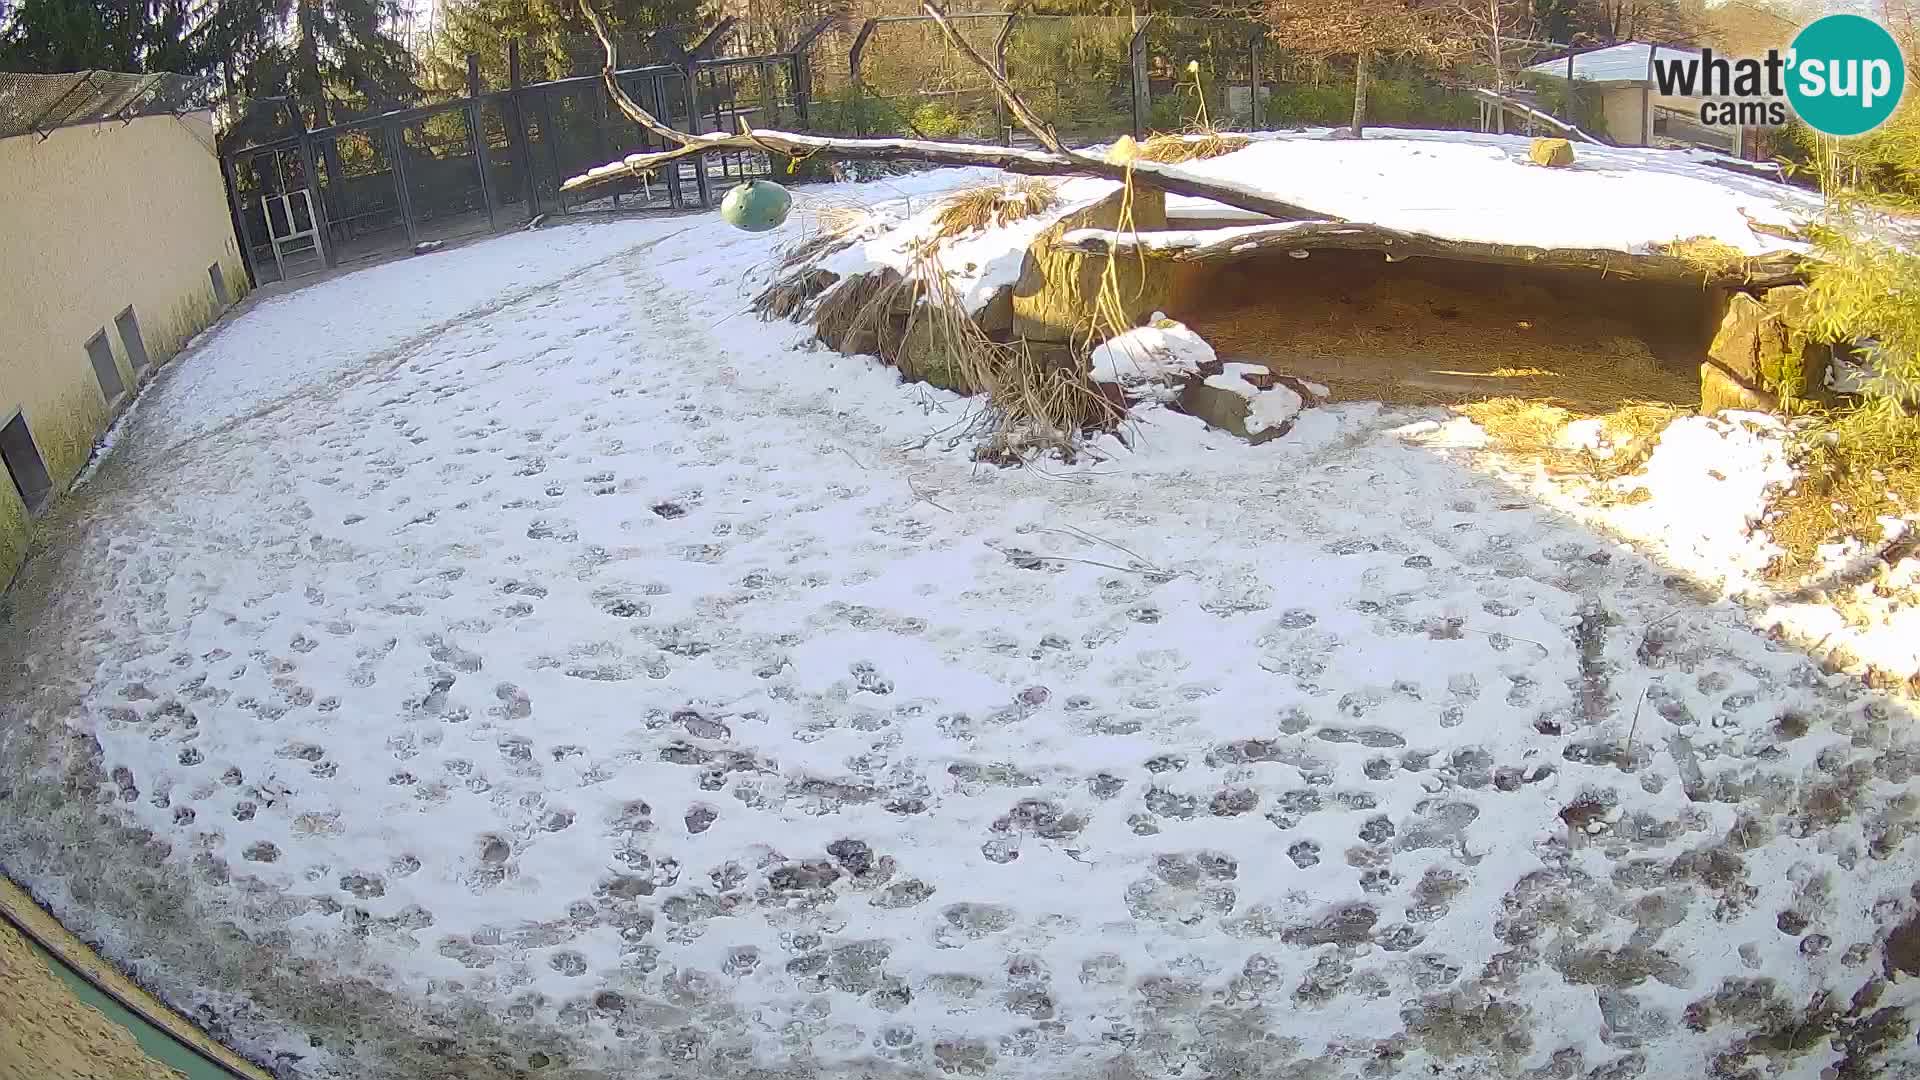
519	661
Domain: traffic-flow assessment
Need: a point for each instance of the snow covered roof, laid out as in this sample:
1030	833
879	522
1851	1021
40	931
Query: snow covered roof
1625	63
1468	186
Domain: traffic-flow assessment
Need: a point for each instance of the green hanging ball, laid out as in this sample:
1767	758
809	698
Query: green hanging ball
756	206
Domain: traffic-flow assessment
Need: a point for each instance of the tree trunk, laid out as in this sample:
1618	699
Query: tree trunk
1360	64
1499	81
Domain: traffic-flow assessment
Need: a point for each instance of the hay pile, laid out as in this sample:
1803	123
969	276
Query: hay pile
1179	149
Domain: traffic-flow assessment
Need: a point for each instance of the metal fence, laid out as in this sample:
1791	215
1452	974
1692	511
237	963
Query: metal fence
304	199
1097	77
307	199
40	104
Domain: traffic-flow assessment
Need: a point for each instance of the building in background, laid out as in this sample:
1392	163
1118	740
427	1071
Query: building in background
116	246
1633	111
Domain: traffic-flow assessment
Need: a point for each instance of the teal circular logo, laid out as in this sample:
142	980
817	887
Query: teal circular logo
1845	74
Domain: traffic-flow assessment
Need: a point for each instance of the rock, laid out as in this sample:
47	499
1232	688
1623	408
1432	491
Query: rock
925	354
1055	298
1152	362
1245	400
1557	153
1758	355
996	318
920	344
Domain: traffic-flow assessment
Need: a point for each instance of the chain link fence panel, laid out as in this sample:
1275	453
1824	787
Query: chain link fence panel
43	103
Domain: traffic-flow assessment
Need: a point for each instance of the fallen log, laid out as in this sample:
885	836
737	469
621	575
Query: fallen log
1254	241
1014	160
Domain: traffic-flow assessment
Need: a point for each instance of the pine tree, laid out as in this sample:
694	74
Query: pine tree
555	41
67	35
342	59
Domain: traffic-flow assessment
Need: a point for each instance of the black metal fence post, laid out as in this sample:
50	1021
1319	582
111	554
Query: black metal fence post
238	214
397	149
1000	118
1137	72
311	177
800	73
700	182
801	57
549	134
858	84
1256	118
477	140
674	197
516	118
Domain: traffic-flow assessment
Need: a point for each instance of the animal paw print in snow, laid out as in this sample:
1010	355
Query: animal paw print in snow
867	678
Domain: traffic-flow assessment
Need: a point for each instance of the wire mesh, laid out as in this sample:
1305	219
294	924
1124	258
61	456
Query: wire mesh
1076	72
42	103
910	81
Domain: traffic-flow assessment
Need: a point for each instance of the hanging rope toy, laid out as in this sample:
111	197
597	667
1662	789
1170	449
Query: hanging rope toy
756	206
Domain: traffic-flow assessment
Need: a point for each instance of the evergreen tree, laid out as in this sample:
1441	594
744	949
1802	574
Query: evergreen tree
339	58
66	35
555	40
336	57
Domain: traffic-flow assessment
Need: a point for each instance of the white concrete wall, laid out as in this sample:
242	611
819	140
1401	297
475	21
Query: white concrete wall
94	219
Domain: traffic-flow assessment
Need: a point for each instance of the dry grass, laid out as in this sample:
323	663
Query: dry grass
1708	257
993	205
1417	363
1855	468
1031	399
854	317
1036	401
1536	430
1177	149
791	296
1640	420
836	227
1519	425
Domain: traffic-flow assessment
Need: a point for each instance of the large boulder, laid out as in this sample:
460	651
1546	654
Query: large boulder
1759	354
1248	400
1059	291
1151	362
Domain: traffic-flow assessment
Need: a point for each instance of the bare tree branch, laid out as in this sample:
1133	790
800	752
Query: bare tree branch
1038	127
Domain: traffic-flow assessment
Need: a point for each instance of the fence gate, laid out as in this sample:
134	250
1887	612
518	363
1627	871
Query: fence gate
294	231
279	224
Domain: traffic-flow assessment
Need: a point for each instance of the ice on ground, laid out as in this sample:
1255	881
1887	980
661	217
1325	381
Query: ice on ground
588	681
